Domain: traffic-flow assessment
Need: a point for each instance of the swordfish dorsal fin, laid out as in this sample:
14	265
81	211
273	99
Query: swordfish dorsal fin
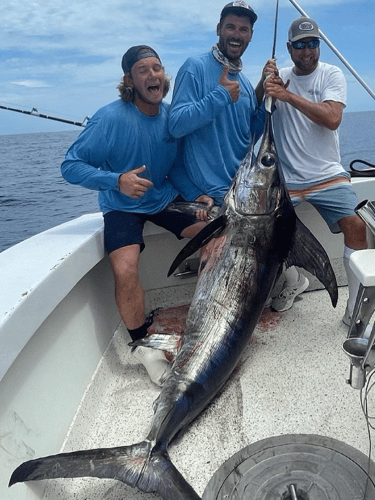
306	252
202	238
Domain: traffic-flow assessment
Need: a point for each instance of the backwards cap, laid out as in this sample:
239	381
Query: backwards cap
136	53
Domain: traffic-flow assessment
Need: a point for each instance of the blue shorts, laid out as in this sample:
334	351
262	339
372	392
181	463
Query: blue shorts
125	228
334	200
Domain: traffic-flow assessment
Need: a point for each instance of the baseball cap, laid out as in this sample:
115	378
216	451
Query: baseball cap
303	27
239	7
136	53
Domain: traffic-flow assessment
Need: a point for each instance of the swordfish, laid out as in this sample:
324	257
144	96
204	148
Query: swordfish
255	233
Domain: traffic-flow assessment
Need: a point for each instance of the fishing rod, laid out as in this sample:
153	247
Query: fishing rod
275	31
268	103
340	56
35	112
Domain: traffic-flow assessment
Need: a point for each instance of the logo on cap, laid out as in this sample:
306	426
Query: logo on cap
306	26
240	3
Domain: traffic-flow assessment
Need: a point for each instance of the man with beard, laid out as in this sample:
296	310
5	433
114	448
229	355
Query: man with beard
127	154
214	106
308	113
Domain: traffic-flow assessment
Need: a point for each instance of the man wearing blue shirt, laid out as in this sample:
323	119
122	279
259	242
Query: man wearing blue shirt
215	107
127	154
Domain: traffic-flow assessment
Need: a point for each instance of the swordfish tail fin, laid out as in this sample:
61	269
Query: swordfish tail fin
135	465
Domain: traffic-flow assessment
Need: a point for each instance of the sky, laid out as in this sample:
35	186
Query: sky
63	57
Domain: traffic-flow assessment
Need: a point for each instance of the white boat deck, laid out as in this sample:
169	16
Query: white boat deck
291	380
58	316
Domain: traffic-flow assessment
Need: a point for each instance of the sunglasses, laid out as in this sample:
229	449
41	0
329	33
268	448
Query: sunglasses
299	44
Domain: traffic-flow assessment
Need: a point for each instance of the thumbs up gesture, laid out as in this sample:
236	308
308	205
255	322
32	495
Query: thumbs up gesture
232	86
132	184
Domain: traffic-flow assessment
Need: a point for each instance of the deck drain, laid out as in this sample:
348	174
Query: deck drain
294	493
294	467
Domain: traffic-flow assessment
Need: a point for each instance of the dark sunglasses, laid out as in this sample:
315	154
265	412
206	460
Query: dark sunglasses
299	44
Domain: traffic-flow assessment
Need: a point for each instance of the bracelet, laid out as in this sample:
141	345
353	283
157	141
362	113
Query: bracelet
118	182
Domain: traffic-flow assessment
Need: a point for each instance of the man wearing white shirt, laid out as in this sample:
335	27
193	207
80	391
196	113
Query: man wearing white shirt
308	113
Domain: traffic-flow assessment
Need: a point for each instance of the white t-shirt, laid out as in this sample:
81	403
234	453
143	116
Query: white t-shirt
309	153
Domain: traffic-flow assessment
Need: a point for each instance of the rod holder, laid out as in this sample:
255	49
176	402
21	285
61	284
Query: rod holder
356	349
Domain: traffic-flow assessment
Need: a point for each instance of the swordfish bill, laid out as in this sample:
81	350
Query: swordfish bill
256	232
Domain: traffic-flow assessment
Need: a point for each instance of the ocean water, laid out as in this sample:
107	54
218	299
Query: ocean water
34	197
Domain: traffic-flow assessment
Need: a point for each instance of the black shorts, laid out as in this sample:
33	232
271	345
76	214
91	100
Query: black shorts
125	228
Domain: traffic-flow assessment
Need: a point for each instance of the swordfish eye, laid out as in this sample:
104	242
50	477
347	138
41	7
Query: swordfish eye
268	160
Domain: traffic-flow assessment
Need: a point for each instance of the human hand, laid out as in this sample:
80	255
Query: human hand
203	214
274	87
270	69
132	185
232	86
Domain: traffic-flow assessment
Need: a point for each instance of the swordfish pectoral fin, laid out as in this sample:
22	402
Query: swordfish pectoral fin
212	229
162	341
134	465
308	253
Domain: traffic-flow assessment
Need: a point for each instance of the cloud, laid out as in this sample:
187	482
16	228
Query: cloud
64	55
96	24
32	84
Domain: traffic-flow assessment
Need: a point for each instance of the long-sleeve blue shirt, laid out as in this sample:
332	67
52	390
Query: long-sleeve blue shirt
119	138
216	131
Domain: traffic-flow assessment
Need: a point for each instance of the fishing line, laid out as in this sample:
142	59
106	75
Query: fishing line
364	393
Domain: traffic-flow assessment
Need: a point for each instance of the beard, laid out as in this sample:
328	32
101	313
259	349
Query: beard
225	48
308	67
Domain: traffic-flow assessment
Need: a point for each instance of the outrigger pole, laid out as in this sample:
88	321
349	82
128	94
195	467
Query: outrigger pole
340	56
35	112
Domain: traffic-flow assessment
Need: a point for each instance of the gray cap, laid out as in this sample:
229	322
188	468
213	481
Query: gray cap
303	27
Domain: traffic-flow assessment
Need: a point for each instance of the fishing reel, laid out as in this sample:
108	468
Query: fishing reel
359	345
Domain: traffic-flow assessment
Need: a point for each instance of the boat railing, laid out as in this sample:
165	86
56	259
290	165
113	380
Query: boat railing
38	273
